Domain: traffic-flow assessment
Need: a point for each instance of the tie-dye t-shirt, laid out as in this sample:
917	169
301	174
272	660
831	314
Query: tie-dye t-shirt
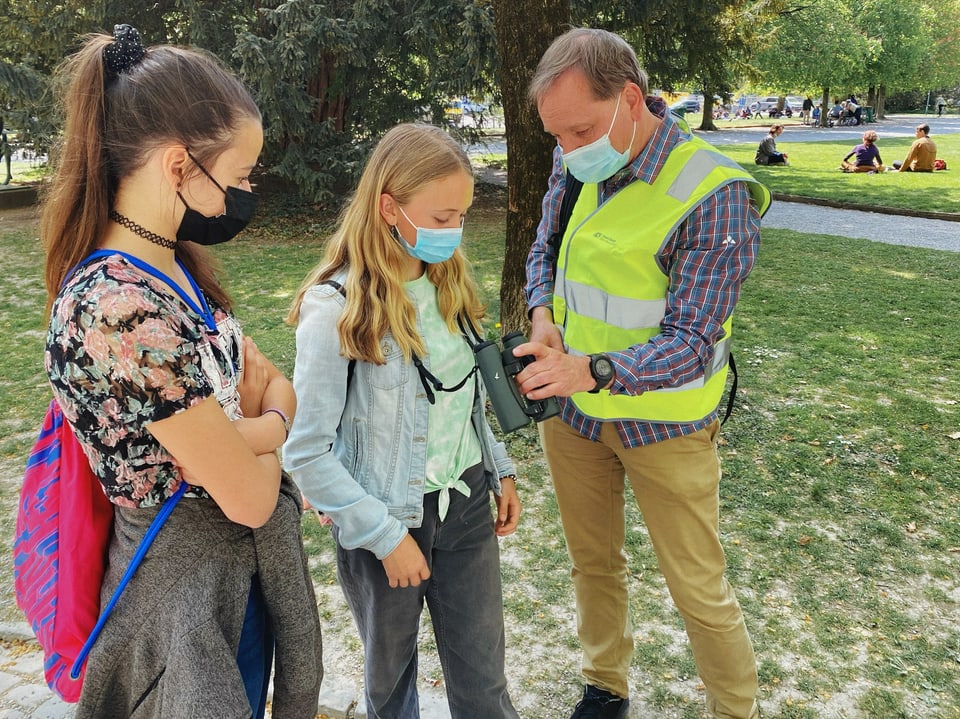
452	442
123	350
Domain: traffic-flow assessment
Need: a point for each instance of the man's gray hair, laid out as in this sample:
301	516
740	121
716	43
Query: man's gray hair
605	59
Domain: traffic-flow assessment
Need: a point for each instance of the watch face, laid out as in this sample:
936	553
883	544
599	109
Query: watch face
602	368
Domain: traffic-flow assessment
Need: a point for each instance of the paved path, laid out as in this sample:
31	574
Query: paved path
23	692
892	229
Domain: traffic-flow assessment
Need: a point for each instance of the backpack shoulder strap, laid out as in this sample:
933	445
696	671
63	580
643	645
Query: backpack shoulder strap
571	191
353	363
732	397
165	509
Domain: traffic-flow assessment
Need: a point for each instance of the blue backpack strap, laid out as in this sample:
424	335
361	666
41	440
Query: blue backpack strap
138	556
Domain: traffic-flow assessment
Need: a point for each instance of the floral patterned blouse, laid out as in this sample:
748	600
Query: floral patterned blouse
123	350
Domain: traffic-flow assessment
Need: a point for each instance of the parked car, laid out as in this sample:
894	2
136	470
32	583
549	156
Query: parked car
795	102
463	112
687	104
764	104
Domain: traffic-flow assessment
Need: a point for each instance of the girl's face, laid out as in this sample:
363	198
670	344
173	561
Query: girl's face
438	204
231	168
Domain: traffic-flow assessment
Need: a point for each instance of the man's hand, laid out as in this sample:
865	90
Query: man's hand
543	330
406	566
553	372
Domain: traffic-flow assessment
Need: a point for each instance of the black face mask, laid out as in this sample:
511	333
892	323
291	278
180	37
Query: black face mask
240	206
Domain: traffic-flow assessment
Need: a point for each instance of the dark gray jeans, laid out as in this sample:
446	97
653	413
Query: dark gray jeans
465	601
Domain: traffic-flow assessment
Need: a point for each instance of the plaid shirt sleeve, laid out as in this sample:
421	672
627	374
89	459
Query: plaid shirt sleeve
541	260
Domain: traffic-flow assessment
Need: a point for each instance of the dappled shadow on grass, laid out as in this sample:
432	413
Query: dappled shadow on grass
841	485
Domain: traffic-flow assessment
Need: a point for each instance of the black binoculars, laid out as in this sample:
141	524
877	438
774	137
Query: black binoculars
498	369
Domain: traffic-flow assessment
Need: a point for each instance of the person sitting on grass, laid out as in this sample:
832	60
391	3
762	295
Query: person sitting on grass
921	154
767	153
867	156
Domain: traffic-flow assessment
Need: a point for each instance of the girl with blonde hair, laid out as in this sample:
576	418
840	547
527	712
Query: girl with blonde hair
391	442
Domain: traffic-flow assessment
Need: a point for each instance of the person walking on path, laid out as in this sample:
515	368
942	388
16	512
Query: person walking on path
391	442
665	230
806	109
941	103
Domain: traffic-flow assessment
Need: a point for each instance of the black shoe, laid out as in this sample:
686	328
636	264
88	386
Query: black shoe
600	704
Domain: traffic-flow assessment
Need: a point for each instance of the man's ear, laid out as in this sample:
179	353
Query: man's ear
388	209
635	100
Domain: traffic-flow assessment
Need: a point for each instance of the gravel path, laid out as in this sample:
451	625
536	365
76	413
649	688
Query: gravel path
892	229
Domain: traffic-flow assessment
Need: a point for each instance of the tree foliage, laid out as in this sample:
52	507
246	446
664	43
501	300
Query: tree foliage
331	77
705	43
860	46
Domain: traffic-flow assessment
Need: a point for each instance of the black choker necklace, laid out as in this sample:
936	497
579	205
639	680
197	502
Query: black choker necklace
142	231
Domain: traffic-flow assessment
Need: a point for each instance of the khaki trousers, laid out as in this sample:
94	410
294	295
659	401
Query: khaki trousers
676	484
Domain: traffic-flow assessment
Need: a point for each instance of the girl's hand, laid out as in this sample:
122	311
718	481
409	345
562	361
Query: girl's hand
406	566
508	507
324	520
254	380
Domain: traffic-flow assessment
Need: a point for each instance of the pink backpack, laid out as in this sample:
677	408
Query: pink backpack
59	557
64	525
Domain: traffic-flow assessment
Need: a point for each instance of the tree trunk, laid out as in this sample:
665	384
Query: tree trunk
524	30
706	121
824	106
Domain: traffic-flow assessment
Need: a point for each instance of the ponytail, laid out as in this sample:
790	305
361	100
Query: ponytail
76	205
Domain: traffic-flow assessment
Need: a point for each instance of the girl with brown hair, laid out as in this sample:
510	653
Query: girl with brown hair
153	374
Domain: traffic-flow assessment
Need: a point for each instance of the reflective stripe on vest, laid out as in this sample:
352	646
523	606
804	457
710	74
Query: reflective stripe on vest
610	291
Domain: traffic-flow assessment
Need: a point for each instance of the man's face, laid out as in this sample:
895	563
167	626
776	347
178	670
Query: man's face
575	117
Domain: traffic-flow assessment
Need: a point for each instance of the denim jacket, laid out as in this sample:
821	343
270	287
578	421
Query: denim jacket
358	449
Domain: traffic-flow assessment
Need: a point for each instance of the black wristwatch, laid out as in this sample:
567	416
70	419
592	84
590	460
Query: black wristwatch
602	370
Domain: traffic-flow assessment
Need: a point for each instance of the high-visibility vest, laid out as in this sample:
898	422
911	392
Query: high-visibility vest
610	292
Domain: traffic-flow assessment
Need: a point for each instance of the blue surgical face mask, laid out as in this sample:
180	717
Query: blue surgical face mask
433	245
599	160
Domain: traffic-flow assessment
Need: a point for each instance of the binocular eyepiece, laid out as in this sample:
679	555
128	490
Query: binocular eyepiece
498	369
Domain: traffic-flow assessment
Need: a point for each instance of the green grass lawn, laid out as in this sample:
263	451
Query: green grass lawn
814	172
841	491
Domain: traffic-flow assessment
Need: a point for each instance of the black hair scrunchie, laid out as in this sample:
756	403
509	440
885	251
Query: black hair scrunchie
126	50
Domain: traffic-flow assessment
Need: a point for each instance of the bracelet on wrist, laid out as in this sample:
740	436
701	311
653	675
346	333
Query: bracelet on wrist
286	421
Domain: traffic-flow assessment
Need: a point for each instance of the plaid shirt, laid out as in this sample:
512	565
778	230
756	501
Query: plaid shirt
707	258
